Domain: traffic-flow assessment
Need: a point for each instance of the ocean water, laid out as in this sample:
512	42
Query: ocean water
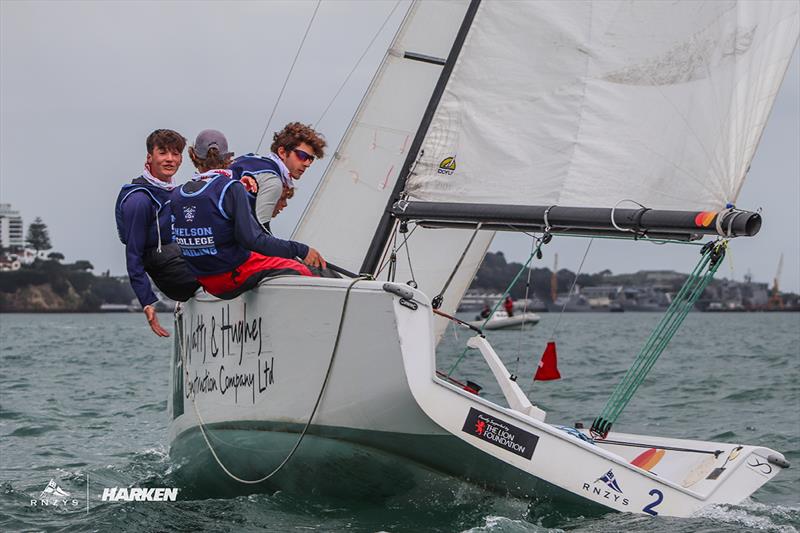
84	398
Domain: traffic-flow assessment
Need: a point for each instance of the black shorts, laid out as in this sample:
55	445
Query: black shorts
170	273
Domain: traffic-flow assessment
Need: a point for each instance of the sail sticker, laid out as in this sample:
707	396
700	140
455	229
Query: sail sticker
500	433
447	166
607	486
649	458
703	219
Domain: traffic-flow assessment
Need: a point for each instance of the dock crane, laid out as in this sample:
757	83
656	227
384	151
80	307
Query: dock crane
775	299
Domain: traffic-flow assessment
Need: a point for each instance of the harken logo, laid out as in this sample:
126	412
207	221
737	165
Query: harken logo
448	165
188	212
54	496
137	494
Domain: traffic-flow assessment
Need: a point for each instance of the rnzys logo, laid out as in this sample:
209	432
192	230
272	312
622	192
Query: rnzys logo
610	481
612	490
188	213
54	496
447	166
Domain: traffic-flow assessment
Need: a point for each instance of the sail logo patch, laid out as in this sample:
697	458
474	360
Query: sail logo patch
500	433
447	166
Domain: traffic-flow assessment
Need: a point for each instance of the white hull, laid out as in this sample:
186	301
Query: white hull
255	365
503	321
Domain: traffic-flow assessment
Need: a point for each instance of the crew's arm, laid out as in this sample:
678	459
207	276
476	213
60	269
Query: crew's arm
250	234
269	192
139	213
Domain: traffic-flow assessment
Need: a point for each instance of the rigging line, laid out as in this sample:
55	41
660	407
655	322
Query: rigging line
341	87
408	256
497	305
440	297
289	75
524	308
569	294
391	247
399	248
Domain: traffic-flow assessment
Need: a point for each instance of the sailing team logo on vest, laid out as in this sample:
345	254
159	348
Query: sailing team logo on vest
188	213
195	242
447	166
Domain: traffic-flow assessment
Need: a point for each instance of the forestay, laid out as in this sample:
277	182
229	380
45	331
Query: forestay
590	103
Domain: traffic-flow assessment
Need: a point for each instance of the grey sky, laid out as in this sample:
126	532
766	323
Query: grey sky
83	83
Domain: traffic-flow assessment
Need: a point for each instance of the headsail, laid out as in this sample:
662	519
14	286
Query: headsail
348	205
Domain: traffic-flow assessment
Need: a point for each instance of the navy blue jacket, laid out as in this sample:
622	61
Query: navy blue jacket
138	204
215	227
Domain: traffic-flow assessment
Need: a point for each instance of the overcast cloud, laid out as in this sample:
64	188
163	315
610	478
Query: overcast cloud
83	83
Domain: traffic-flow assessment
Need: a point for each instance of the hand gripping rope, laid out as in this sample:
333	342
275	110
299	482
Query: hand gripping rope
711	257
201	423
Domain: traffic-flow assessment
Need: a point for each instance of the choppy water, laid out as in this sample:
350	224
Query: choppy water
85	396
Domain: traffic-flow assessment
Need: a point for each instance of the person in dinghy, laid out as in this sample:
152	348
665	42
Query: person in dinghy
293	150
219	237
143	224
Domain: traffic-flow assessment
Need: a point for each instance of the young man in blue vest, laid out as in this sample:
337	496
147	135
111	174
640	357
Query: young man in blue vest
144	226
294	149
220	238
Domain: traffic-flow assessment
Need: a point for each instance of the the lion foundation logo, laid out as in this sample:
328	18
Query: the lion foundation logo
447	166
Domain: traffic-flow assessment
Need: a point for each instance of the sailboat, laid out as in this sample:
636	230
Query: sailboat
542	117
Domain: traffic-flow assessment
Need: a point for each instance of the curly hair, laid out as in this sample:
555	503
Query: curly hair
295	133
213	160
166	140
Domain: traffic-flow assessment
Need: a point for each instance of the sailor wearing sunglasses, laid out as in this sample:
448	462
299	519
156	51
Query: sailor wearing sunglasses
294	148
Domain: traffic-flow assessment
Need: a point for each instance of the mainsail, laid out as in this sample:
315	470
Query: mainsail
589	103
577	104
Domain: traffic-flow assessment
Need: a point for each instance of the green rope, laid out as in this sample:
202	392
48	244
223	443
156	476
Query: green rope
690	292
534	253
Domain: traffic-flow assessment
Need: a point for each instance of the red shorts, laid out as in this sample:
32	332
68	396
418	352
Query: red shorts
246	276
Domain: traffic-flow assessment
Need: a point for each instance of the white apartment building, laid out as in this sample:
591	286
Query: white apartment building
11	228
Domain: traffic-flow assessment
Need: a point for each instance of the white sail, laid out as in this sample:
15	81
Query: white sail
591	103
344	212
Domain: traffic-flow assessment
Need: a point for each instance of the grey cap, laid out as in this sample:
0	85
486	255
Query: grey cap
210	139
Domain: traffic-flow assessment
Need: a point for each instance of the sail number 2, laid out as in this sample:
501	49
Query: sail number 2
650	508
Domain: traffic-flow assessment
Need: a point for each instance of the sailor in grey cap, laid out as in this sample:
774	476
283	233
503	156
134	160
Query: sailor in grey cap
208	139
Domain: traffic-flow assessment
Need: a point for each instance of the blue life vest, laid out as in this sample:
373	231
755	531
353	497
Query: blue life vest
160	198
202	228
253	165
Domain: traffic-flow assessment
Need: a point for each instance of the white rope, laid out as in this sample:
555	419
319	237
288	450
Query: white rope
291	69
201	422
613	210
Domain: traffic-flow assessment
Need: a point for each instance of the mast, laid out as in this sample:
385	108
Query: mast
383	231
